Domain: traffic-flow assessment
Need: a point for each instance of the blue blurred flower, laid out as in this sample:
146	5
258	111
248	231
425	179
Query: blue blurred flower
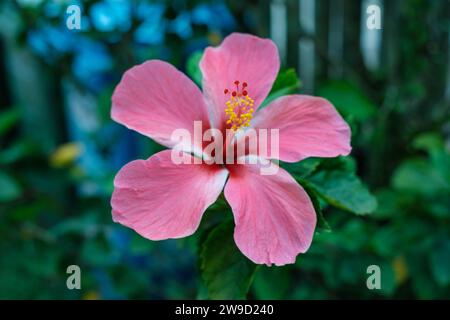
146	10
91	63
110	15
152	29
150	32
61	39
216	16
181	25
37	42
51	42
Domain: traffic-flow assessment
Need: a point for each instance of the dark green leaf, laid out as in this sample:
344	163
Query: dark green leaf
303	168
226	272
322	223
347	164
343	190
348	100
287	82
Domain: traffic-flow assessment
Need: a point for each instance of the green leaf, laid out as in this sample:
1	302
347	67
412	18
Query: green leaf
226	272
303	168
193	68
287	82
7	120
322	223
286	79
9	189
348	100
347	164
343	190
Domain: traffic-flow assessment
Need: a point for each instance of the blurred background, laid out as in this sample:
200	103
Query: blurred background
59	149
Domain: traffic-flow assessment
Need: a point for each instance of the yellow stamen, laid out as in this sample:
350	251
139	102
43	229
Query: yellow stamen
239	108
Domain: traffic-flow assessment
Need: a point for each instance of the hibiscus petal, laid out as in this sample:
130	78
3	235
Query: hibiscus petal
308	127
161	200
241	57
154	99
274	216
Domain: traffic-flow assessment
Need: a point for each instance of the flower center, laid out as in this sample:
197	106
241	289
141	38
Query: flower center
239	107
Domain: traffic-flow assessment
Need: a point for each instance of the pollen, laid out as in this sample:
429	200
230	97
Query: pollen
239	107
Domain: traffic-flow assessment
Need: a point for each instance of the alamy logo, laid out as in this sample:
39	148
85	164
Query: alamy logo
374	280
374	18
73	21
74	280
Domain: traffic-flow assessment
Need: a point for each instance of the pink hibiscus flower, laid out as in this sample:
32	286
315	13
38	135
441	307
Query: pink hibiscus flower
274	217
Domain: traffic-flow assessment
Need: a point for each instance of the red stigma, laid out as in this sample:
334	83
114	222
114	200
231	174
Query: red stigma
244	93
225	91
244	84
234	93
236	82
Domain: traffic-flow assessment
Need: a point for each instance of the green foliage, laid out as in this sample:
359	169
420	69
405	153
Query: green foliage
272	283
335	182
287	82
343	190
348	100
418	176
9	188
193	68
226	272
401	153
19	150
303	168
104	104
8	119
322	223
440	261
